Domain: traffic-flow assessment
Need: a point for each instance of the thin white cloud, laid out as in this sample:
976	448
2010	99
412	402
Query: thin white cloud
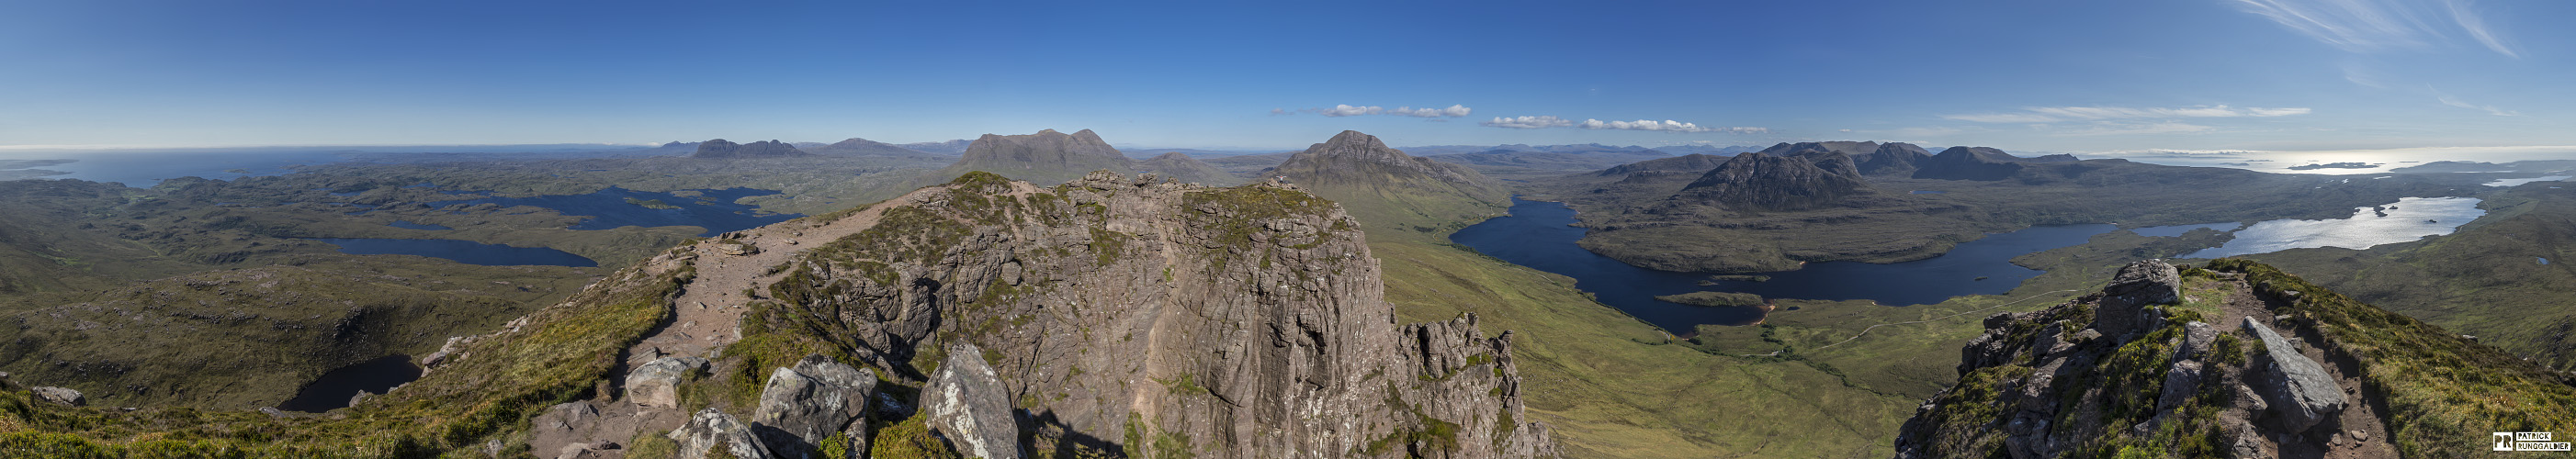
1528	122
2456	102
2477	28
2113	128
2364	26
1543	122
2058	114
1454	111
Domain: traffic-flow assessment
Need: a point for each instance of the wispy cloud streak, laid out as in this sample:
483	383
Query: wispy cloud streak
2364	26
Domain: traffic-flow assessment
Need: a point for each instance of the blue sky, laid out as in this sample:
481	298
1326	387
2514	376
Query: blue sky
2073	76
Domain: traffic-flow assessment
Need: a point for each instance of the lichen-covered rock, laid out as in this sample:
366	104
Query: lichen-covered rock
561	426
60	396
2294	385
803	406
967	404
711	430
656	383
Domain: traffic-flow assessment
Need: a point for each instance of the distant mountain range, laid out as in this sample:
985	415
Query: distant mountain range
1388	189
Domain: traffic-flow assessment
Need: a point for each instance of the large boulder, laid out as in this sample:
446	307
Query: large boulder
560	427
2296	387
967	404
657	383
711	429
803	406
60	395
2138	285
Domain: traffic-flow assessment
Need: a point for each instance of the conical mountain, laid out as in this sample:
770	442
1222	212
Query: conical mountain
1047	157
1760	182
1389	190
1182	167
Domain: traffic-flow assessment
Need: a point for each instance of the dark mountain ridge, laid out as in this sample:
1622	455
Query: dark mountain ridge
721	149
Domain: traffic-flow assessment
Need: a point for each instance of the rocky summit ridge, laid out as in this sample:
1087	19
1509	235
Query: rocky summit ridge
1107	315
2231	359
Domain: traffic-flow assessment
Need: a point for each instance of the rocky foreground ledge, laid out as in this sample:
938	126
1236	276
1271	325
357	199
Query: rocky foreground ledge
2234	359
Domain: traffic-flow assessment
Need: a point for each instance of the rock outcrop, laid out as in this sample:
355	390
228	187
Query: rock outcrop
968	405
711	430
1047	157
721	149
2144	373
802	407
2292	384
656	383
1757	182
60	396
1216	322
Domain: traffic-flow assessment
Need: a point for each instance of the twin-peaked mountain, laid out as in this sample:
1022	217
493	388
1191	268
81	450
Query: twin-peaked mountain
1762	182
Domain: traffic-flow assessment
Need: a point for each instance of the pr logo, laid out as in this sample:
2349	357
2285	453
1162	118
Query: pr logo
2528	441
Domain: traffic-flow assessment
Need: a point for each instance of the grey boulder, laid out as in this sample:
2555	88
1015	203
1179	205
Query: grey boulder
966	403
803	406
2138	285
2297	388
60	396
711	429
657	383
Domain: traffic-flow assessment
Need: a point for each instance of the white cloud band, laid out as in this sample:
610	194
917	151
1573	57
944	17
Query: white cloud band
1543	122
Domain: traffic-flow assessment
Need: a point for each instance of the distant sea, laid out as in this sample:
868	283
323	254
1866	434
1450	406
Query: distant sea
2282	161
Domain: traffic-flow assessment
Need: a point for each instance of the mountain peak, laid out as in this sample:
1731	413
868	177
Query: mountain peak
1047	156
1764	182
722	149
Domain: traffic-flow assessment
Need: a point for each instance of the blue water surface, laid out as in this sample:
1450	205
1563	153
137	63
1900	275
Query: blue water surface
1538	234
468	252
714	210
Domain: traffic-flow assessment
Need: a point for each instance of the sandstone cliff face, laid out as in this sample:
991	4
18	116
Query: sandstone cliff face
1166	319
1757	182
721	149
1047	157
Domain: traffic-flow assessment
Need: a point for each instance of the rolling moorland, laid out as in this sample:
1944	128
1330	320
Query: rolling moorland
1815	379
